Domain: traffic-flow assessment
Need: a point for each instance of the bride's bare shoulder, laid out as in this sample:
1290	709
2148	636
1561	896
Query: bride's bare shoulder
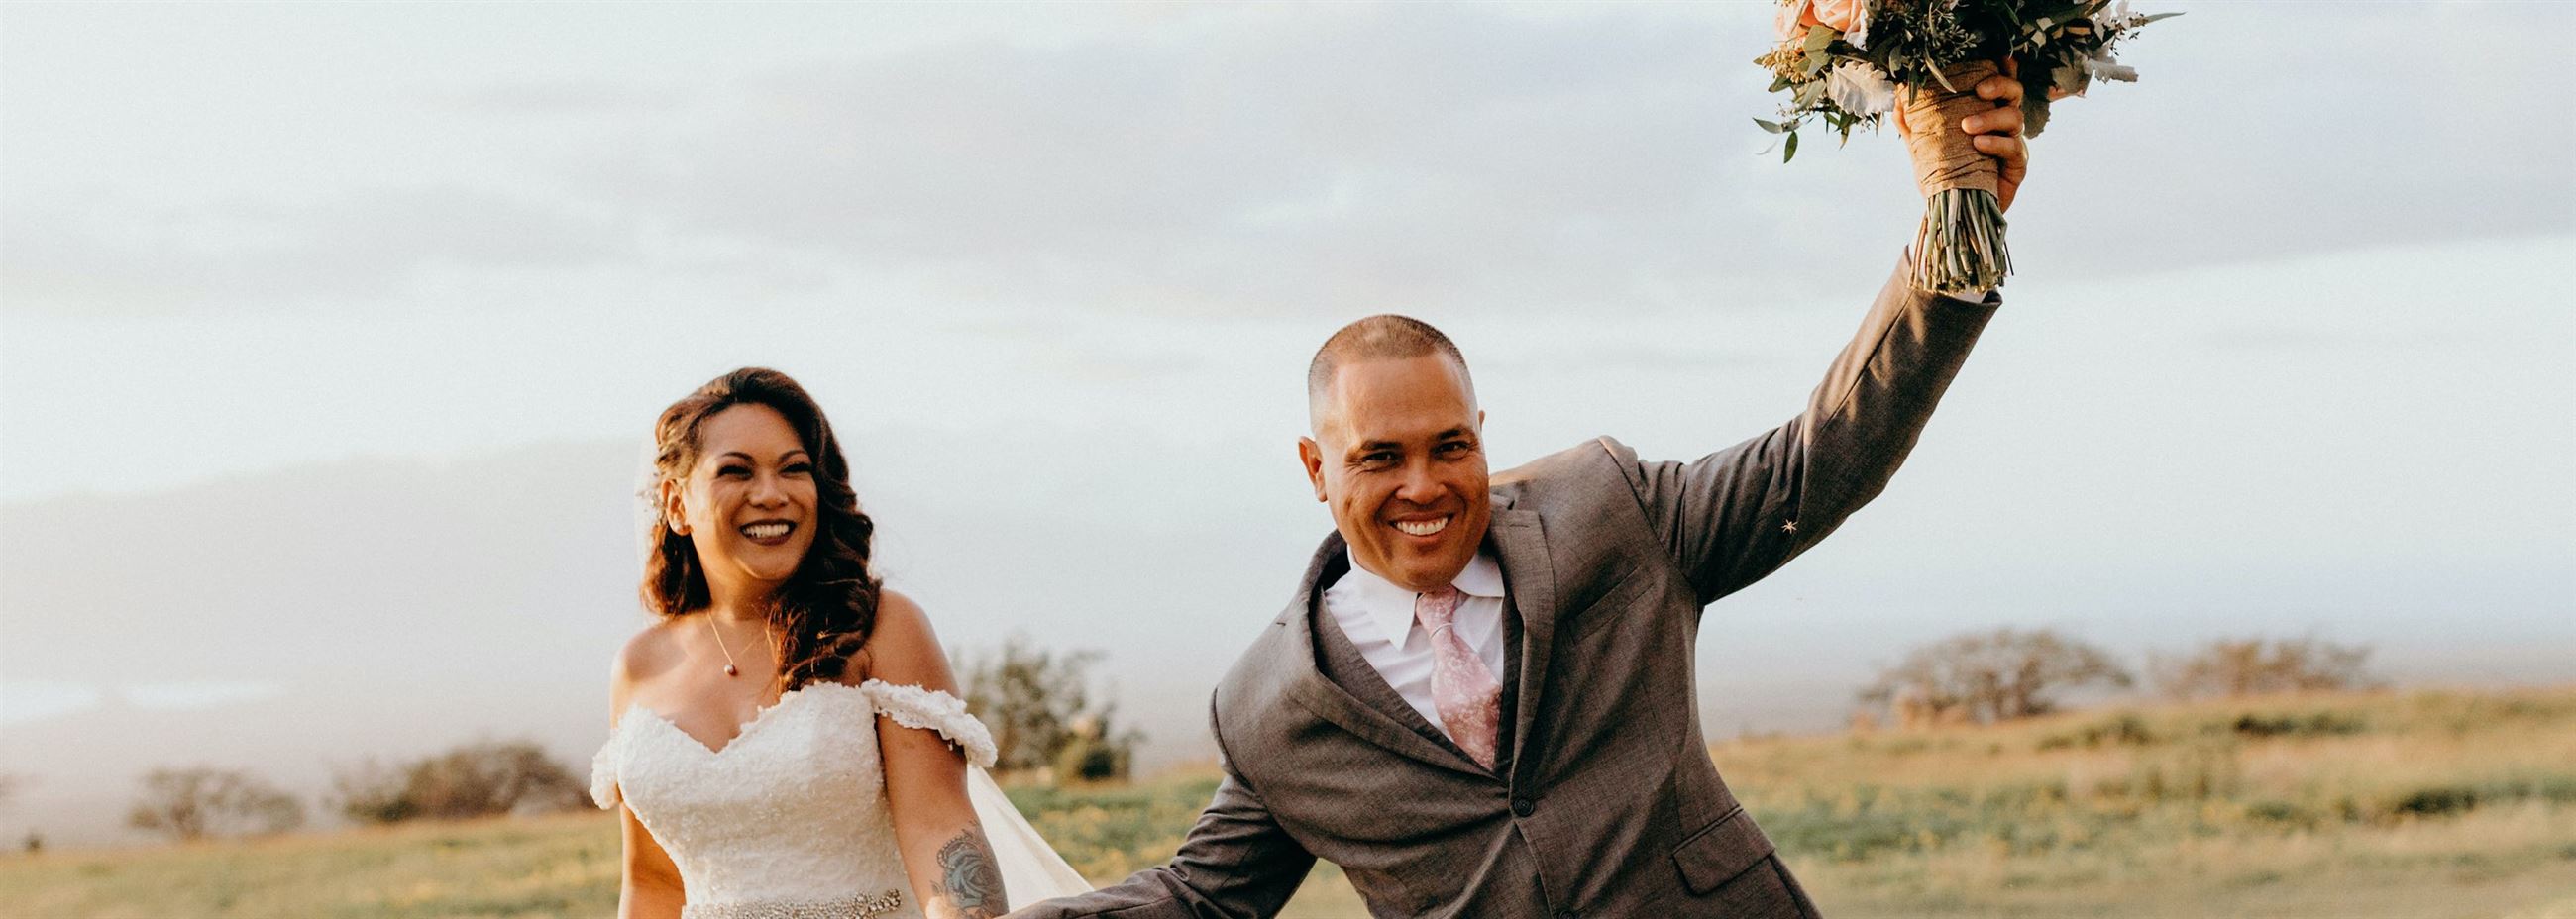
901	648
653	650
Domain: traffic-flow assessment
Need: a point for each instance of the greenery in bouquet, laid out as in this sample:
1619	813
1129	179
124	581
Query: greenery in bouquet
1850	63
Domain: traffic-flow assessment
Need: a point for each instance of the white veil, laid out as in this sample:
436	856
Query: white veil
1031	871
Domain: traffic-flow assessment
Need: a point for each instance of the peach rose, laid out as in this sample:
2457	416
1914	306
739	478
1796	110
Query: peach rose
1794	18
1840	15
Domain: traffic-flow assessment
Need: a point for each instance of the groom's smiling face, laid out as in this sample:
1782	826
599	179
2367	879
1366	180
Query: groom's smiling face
1398	454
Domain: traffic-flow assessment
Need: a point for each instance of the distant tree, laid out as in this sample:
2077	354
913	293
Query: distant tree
475	780
190	804
369	792
486	779
1038	705
2228	668
1990	676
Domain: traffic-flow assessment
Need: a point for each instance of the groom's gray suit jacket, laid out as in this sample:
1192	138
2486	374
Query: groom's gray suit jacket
1604	802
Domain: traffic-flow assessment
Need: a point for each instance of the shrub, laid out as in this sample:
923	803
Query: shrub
1039	707
2282	813
1095	755
2436	801
190	804
2230	668
476	780
2289	725
1990	676
2125	730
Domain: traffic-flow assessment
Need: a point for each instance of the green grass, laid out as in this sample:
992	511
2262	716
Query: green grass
556	866
2424	804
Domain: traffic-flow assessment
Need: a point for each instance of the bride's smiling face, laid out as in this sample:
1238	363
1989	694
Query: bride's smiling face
748	503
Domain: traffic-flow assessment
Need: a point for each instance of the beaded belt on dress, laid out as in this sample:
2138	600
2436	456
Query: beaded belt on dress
859	907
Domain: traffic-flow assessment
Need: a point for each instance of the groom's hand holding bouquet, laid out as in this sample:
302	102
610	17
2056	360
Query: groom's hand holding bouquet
1962	79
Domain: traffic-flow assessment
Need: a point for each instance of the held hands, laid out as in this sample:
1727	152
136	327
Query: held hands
1998	132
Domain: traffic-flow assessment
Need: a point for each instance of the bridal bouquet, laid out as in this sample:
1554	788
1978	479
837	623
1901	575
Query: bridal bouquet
1851	62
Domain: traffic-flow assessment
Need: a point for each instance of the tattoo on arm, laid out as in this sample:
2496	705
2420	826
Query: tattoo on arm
969	879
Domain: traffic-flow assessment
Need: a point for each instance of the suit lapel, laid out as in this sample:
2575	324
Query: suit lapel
1319	694
1521	545
1344	666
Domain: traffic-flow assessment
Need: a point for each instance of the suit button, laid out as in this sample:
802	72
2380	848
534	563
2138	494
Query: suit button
1523	807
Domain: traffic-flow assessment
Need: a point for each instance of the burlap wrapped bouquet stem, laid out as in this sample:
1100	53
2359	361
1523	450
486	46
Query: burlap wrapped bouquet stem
1960	246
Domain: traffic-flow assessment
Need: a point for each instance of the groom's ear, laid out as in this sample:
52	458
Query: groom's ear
1312	454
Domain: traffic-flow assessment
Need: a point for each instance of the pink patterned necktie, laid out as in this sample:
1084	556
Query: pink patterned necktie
1463	689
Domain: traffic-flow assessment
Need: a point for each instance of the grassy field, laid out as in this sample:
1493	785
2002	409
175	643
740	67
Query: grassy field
2414	805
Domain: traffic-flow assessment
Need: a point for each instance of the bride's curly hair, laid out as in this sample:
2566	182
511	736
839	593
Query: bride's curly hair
826	609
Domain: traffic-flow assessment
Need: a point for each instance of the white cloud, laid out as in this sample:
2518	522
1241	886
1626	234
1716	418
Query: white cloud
26	701
197	695
1328	161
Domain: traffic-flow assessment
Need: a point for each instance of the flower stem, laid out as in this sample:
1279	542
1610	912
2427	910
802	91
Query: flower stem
1960	246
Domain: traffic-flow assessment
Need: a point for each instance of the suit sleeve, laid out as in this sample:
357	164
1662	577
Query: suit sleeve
1733	516
1236	863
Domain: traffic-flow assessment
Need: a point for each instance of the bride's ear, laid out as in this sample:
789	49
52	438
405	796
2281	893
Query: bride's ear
674	512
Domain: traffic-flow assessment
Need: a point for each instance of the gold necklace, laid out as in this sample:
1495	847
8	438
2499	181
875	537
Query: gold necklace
730	669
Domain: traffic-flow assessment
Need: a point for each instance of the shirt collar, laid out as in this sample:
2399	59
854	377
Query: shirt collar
1392	606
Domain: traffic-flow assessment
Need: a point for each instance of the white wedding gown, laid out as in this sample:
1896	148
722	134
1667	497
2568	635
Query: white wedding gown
789	820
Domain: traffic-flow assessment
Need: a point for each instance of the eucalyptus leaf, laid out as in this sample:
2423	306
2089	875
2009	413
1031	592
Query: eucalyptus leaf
1935	68
1771	126
1792	151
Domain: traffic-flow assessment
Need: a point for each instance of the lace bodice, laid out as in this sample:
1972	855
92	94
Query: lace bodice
789	818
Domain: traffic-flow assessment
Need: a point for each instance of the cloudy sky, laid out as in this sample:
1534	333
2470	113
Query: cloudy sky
328	333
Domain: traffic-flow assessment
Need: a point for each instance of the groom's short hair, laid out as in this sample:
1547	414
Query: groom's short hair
1385	336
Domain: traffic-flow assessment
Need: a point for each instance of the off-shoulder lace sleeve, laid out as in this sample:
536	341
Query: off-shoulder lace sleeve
603	776
915	707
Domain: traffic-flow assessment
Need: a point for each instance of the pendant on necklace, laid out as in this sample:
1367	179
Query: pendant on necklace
729	671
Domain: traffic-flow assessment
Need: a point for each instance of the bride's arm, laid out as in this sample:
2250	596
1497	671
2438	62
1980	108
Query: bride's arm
944	849
651	888
649	884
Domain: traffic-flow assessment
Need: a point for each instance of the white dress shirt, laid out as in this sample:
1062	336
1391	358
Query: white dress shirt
1378	617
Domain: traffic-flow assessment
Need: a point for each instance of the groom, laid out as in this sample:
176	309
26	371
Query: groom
1480	701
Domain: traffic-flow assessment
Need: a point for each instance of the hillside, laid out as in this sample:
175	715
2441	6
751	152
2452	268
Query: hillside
2423	804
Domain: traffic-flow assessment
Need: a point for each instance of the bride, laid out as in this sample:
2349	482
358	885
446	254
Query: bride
786	739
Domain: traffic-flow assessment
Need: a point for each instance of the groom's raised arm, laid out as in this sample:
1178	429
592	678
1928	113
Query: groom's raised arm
1740	513
1236	863
1733	516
